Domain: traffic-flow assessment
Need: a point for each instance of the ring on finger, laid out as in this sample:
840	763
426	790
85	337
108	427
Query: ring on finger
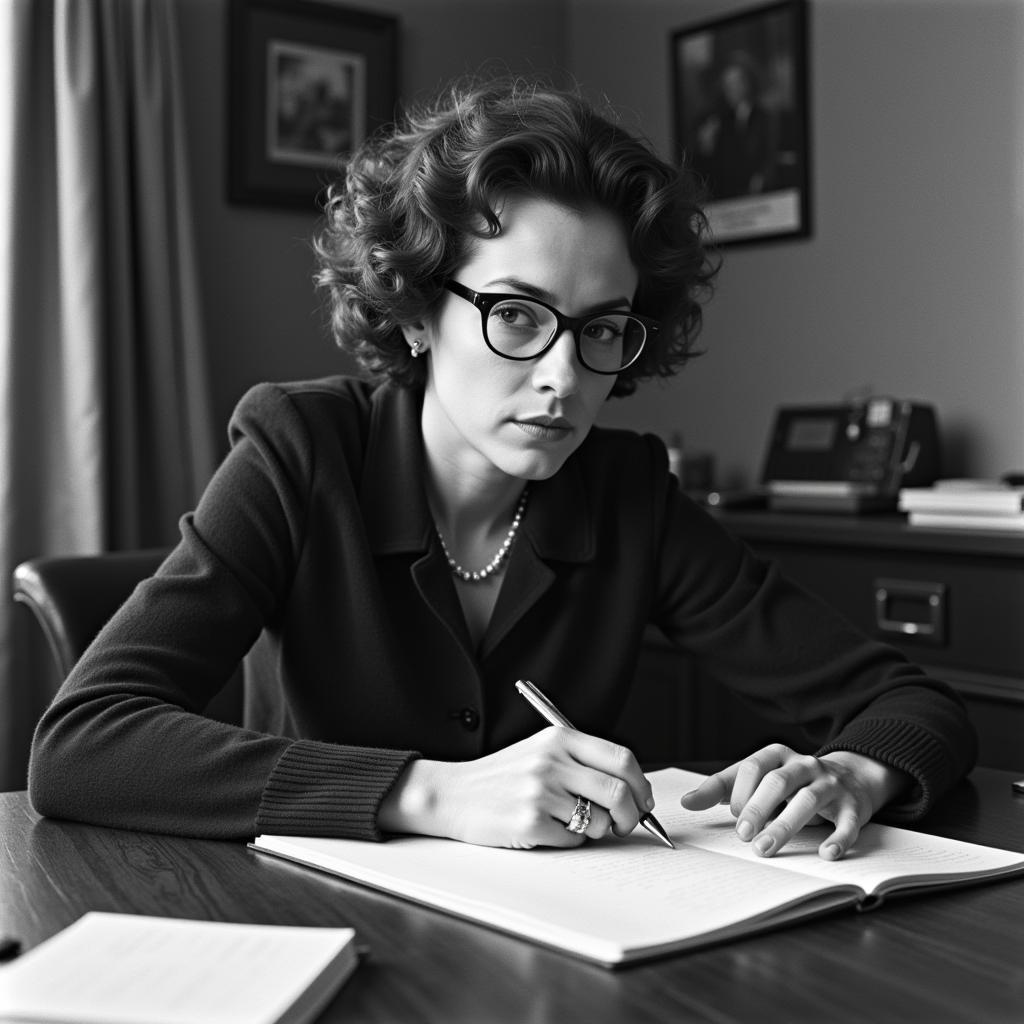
580	817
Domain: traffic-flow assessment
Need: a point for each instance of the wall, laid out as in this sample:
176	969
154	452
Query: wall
912	281
263	319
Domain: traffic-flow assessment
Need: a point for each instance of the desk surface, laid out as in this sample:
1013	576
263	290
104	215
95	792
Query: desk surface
953	956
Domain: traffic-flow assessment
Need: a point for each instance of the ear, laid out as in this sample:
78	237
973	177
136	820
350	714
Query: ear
415	336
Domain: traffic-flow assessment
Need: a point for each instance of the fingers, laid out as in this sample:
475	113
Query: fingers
715	789
718	788
776	792
760	775
612	760
610	777
759	793
768	840
540	779
848	826
598	821
812	790
613	808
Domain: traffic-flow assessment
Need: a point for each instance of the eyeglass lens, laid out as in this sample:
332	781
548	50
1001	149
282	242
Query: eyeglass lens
520	329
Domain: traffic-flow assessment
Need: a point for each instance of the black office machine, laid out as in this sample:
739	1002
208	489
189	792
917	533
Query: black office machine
850	458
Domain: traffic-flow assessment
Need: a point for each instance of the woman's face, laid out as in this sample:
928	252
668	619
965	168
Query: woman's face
486	416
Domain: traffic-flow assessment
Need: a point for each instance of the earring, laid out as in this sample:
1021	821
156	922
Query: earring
416	348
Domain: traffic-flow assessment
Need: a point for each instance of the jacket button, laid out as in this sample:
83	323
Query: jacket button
469	718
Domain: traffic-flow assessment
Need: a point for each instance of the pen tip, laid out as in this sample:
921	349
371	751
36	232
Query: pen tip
656	829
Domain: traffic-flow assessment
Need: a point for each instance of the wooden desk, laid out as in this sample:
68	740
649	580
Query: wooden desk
957	956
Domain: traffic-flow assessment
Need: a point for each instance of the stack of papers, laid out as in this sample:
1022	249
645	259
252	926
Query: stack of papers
965	504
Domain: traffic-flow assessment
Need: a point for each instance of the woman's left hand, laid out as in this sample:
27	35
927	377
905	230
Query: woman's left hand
775	792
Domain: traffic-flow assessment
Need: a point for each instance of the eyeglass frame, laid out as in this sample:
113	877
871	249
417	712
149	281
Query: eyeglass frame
486	301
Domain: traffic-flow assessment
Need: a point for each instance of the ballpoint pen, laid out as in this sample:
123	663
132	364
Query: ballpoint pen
547	710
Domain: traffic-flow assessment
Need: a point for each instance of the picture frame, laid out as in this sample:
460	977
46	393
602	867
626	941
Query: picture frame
741	108
308	82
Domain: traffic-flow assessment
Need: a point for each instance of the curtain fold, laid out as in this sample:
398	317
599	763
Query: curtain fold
105	423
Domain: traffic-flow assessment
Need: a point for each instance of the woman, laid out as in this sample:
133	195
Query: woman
394	554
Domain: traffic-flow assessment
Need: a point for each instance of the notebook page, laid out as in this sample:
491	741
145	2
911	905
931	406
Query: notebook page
881	853
600	900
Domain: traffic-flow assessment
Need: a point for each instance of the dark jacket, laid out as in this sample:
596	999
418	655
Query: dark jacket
313	549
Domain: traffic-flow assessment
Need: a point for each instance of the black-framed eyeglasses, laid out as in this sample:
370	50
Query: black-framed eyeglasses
516	327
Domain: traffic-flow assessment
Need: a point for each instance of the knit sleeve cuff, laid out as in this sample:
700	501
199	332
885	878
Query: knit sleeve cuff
325	789
909	748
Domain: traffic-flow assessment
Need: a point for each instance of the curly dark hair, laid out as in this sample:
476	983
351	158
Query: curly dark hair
416	195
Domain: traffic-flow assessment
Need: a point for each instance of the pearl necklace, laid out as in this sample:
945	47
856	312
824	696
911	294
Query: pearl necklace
478	576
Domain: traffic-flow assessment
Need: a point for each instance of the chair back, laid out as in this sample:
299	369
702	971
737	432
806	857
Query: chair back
73	596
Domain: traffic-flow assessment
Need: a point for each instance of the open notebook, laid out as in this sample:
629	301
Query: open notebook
622	900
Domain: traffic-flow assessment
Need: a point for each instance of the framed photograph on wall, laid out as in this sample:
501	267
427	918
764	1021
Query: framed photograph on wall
307	83
742	116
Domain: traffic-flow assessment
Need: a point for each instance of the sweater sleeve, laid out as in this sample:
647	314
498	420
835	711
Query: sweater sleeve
792	658
124	742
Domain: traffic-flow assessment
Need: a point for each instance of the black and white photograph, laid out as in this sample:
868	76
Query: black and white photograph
307	82
316	104
741	116
512	513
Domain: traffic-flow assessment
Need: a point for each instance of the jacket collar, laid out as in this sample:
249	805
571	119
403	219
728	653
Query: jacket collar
558	521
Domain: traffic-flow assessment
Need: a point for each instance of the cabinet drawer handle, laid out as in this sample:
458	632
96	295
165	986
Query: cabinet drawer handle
911	608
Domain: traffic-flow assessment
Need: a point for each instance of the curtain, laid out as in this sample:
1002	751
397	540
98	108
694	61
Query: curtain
105	424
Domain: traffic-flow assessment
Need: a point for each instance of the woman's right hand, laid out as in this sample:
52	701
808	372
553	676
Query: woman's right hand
522	796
